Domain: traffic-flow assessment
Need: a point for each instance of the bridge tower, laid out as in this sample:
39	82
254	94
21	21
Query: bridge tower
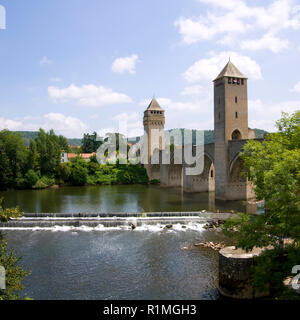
230	123
154	123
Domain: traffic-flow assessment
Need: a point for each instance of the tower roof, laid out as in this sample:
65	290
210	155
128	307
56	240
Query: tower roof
230	70
154	105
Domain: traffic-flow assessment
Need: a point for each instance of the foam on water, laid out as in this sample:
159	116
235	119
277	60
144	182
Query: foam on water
190	226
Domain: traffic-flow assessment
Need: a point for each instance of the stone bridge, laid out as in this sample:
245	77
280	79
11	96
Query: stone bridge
222	164
174	175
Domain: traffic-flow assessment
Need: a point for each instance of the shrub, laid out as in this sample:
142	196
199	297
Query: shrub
31	178
44	183
79	174
65	171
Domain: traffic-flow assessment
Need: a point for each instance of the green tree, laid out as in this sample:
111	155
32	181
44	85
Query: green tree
13	159
79	172
31	178
64	144
33	157
90	143
273	166
65	171
49	152
14	273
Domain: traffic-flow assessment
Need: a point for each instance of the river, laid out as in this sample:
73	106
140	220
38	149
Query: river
118	198
101	263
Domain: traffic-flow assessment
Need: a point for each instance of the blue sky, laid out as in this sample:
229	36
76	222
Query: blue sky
82	65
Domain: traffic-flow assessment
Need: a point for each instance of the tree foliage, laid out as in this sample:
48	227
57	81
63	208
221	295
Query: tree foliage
13	160
273	166
90	143
14	273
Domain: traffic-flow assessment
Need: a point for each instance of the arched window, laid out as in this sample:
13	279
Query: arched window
236	135
212	173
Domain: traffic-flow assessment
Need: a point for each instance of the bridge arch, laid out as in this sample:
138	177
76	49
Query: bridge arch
237	169
204	182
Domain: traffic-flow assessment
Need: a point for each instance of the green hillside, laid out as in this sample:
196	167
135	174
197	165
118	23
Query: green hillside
208	136
30	135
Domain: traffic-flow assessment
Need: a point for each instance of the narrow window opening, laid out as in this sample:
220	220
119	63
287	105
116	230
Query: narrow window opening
236	99
212	173
236	115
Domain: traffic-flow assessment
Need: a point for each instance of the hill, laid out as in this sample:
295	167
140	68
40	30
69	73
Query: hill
30	135
208	136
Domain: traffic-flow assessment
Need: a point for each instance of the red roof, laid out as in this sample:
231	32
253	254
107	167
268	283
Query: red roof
82	155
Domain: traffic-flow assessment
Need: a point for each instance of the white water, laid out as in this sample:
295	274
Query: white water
191	226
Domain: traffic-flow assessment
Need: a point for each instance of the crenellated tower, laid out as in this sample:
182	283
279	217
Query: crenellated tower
154	123
230	123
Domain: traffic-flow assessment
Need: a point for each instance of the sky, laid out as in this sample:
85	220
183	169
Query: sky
85	65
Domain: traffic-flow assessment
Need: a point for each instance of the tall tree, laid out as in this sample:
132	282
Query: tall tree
273	166
13	156
90	143
49	150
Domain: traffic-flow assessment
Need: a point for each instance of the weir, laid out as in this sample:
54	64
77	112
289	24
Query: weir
50	220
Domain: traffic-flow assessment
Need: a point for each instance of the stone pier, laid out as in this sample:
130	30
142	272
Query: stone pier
235	273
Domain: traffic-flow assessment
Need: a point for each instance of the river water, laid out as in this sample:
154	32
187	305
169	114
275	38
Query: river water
123	198
101	263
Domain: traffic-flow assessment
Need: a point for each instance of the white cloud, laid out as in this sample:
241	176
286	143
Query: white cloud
66	125
268	41
296	87
45	60
199	104
128	124
264	116
231	18
208	69
87	95
192	90
9	124
125	64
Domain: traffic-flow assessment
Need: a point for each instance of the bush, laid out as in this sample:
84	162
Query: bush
79	173
93	167
31	178
44	183
65	172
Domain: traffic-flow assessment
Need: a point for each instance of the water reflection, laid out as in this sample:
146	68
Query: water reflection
124	198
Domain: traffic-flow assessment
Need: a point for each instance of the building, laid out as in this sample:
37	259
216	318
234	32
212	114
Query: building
66	157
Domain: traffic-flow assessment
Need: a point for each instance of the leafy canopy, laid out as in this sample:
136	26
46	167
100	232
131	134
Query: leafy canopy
273	166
